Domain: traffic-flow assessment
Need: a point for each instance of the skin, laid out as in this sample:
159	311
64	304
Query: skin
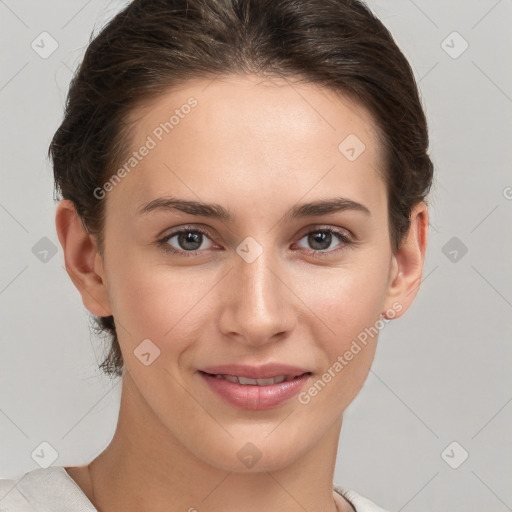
256	147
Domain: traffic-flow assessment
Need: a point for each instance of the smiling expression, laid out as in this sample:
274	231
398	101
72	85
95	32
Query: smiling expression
248	235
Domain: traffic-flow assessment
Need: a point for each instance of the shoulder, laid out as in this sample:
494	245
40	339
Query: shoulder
359	503
43	490
11	498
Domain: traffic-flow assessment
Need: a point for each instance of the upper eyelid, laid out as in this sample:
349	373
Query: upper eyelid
179	230
314	227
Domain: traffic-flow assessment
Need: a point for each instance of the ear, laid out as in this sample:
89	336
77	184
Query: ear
407	264
83	262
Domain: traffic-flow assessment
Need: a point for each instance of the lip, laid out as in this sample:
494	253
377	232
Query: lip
265	371
255	397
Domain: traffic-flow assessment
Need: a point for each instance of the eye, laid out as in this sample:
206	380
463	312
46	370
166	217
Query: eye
321	239
188	241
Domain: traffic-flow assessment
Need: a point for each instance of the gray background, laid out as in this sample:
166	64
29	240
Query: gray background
442	372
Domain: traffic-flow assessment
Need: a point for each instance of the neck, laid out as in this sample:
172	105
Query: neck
145	468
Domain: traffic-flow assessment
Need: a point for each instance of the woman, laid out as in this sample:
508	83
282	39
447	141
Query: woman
243	207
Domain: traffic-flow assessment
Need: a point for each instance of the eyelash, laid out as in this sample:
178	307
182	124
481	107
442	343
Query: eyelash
346	241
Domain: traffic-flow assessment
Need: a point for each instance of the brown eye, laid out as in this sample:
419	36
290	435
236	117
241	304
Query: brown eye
187	241
321	241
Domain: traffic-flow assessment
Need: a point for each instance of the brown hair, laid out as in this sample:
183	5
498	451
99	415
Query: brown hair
153	45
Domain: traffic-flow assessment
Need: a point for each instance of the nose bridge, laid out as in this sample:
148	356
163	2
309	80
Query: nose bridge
257	281
258	306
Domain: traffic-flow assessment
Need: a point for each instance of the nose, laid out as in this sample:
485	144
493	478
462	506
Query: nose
257	304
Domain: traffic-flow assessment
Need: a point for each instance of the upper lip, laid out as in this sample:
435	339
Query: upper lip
265	371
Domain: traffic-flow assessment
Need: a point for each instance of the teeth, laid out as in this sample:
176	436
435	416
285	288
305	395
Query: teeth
254	382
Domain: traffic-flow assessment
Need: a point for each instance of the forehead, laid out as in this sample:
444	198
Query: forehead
277	139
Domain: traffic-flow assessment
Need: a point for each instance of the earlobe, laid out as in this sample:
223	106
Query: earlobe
407	265
82	260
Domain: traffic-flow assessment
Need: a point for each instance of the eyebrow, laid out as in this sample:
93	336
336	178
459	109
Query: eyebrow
216	211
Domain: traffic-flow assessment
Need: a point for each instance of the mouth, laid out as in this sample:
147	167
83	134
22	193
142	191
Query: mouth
255	388
247	381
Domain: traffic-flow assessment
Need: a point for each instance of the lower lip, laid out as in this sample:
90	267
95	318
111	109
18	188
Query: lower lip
255	397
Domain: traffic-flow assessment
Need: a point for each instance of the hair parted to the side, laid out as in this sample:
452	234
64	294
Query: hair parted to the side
153	45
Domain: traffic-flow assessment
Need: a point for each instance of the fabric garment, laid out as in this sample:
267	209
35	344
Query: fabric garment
53	490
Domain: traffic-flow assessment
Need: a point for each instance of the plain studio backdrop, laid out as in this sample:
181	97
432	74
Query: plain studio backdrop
431	428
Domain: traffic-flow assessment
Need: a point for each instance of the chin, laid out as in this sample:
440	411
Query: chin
254	453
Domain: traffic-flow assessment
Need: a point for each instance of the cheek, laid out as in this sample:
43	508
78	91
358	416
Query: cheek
347	299
156	302
348	307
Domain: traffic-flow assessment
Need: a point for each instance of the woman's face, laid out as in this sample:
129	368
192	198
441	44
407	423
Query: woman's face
257	279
